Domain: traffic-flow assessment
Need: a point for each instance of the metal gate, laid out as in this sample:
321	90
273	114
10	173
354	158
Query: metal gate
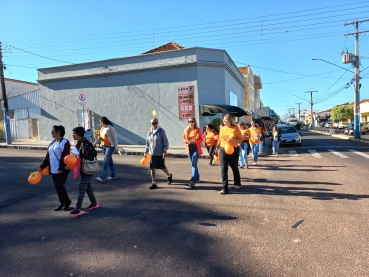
19	128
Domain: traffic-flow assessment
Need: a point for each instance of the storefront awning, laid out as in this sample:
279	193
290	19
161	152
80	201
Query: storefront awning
213	109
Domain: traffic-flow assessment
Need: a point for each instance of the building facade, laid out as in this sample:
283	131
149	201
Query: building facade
170	85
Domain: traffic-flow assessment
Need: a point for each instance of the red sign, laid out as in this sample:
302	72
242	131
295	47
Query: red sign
186	102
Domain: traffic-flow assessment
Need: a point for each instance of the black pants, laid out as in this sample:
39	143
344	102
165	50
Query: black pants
232	161
211	150
59	181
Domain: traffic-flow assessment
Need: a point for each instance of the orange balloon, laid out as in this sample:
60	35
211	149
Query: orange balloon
143	161
216	137
34	178
70	161
148	156
228	148
45	171
217	158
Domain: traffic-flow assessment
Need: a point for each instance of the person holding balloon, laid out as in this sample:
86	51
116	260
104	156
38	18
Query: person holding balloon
157	147
192	137
229	138
210	138
88	152
58	149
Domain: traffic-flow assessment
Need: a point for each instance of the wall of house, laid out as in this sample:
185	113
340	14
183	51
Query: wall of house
127	100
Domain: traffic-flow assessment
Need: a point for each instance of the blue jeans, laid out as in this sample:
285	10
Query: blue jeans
194	157
108	161
243	155
255	151
275	146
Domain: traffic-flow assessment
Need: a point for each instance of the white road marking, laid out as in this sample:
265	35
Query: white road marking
338	154
359	153
315	154
293	153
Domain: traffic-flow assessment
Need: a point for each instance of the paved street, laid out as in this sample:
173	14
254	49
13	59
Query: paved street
179	231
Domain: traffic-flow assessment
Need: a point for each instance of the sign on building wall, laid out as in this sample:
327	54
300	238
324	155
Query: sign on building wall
264	111
186	102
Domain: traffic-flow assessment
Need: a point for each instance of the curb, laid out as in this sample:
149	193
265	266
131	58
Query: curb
339	136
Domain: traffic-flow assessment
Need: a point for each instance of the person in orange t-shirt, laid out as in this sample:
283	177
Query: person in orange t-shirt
192	137
229	133
210	141
255	135
244	163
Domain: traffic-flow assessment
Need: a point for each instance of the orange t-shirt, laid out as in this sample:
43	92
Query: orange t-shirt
226	133
209	139
255	135
245	134
105	140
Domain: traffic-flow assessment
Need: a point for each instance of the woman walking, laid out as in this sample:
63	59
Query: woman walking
192	137
85	151
263	131
229	133
244	163
58	149
109	143
209	140
275	140
254	140
157	146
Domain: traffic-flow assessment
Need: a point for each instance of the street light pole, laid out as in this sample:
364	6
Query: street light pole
311	106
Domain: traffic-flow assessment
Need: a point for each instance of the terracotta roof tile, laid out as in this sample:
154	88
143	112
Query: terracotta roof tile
244	70
166	47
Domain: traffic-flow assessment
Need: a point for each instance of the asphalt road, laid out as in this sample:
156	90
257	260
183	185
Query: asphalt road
179	231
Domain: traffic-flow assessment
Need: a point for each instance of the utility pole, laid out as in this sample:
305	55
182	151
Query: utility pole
357	78
311	106
299	109
5	100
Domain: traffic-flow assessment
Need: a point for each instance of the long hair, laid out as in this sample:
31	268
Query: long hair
192	118
106	121
230	119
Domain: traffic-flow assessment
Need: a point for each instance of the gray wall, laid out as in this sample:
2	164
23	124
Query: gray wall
134	88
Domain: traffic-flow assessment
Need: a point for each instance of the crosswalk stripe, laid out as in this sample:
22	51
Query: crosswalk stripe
359	153
338	154
293	153
315	154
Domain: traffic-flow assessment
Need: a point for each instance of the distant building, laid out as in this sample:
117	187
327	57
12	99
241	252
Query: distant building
14	88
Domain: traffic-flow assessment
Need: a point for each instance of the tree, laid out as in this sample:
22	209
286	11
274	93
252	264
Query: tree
276	119
216	123
342	112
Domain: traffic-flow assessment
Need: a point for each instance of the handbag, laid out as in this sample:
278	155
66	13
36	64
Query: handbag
89	167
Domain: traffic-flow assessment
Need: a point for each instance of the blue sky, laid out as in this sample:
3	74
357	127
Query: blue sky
278	39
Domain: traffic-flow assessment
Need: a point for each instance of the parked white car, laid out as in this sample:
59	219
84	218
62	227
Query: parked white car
328	124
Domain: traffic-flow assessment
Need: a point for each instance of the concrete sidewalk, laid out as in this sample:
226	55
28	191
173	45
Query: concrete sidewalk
137	150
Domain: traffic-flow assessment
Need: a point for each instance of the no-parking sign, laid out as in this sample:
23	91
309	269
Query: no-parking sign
82	99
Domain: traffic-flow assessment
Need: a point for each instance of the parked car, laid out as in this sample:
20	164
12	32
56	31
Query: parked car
335	125
342	125
289	135
349	130
328	124
321	124
366	126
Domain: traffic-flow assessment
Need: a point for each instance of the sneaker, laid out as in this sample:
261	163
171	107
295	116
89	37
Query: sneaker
111	178
75	212
170	179
99	179
242	166
153	186
91	207
191	184
236	186
254	163
223	192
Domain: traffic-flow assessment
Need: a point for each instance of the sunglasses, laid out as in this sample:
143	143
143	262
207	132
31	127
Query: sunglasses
191	121
154	123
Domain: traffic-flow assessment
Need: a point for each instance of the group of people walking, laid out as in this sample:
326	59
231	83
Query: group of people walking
60	147
242	138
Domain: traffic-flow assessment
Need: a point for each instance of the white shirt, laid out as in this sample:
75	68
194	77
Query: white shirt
55	151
